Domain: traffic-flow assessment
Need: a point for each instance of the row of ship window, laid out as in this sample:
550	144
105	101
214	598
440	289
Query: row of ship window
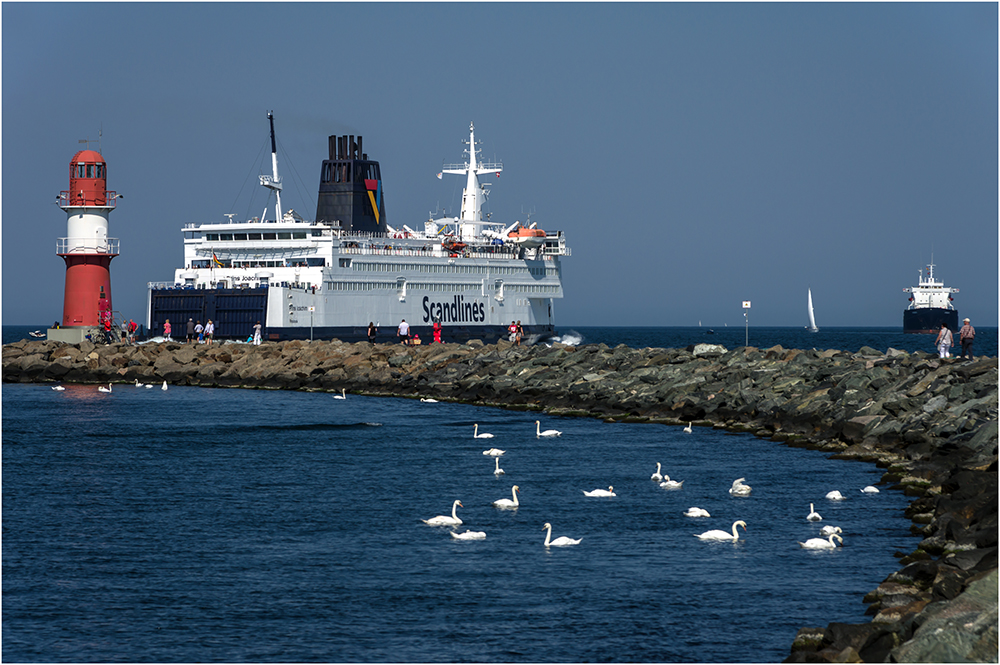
446	288
276	235
448	268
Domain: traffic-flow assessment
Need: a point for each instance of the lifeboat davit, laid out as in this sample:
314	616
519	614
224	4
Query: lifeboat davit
527	237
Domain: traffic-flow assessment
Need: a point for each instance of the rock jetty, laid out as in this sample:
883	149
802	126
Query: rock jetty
930	423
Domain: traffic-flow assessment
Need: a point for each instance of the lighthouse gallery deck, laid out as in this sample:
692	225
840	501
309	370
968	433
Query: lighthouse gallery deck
331	276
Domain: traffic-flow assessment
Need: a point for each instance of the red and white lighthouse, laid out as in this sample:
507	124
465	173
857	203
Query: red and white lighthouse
86	249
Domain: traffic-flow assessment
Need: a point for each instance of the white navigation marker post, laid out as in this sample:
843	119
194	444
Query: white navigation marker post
311	310
746	319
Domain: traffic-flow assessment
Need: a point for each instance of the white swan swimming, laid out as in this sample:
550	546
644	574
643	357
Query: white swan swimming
507	503
835	496
342	395
717	534
103	389
469	535
739	489
668	484
430	400
548	432
821	544
696	512
444	520
498	471
494	452
657	476
871	489
687	429
139	385
561	541
813	516
830	530
58	388
477	435
608	492
164	387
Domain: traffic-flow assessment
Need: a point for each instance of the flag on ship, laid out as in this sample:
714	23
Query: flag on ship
216	260
440	174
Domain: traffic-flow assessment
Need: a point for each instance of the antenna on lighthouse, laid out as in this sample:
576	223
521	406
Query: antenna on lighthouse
273	181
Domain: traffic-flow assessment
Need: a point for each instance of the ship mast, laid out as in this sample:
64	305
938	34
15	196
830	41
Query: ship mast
273	181
474	195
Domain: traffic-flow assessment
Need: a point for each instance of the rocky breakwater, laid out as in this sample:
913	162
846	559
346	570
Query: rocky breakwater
930	423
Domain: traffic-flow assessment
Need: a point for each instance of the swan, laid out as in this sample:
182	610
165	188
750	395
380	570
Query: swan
668	484
58	388
469	535
498	471
103	389
548	432
608	492
723	535
561	541
739	489
477	435
813	516
696	512
871	489
494	452
434	401
835	496
342	395
507	503
820	544
164	387
687	429
139	385
657	476
444	520
829	530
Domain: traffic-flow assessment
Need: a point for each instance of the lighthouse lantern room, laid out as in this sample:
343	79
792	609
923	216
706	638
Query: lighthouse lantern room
86	249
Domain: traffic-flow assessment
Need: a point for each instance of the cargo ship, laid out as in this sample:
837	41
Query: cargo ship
332	276
930	305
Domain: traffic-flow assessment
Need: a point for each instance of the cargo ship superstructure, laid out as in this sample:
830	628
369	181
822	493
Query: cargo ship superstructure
930	305
332	276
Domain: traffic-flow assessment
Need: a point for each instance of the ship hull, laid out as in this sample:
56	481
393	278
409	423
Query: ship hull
928	320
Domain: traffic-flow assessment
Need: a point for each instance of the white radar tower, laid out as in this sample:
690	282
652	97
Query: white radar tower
471	222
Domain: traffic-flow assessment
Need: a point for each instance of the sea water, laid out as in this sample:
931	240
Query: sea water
198	524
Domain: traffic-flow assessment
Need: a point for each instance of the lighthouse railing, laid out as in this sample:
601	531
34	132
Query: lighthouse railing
67	201
87	246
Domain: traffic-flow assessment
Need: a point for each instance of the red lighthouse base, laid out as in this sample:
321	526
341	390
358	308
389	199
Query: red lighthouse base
88	289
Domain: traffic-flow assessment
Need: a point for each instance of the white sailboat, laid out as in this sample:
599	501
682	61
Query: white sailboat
812	317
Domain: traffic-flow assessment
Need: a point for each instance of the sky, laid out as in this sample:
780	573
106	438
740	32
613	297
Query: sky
695	155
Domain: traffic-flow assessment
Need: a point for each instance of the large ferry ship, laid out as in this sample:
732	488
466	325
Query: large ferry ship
332	276
930	305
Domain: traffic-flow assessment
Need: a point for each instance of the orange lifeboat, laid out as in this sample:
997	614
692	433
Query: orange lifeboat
527	237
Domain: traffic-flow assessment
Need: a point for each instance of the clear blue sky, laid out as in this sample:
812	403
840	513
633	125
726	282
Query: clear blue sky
696	155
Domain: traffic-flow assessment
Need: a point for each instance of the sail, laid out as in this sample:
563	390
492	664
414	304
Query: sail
812	317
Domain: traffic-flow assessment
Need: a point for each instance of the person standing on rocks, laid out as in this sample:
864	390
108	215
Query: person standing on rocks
372	331
965	336
403	332
256	334
437	332
518	333
166	330
199	330
209	332
944	342
190	331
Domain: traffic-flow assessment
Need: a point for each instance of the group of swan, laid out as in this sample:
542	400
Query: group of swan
561	541
739	489
608	492
508	503
717	534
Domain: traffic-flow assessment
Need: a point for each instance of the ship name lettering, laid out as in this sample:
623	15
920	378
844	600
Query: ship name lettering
456	311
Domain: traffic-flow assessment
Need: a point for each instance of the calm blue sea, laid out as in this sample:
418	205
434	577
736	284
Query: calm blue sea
241	525
264	526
